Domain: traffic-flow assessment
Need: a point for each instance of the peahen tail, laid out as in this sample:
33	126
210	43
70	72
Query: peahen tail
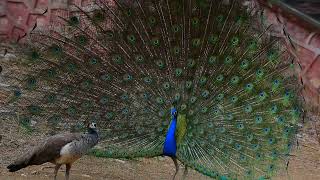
125	65
21	162
14	167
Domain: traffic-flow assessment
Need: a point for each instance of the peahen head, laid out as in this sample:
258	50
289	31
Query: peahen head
92	126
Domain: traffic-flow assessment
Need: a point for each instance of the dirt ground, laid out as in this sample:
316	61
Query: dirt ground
304	164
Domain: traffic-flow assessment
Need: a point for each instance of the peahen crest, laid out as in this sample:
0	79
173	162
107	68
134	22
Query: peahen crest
124	65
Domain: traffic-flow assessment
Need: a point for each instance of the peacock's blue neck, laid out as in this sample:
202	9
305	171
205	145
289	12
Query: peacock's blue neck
170	144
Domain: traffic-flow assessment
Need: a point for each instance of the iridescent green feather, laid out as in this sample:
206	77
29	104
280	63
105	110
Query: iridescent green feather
124	66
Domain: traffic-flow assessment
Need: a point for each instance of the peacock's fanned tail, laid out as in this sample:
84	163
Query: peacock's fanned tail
124	65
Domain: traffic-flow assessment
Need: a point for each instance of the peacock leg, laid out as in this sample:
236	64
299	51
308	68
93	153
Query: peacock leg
176	165
68	167
185	172
56	169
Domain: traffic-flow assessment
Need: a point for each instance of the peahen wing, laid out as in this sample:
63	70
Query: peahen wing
125	64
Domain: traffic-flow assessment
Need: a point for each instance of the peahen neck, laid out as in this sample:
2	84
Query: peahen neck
92	131
170	144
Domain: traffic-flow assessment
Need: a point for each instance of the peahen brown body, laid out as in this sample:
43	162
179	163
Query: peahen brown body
59	149
197	80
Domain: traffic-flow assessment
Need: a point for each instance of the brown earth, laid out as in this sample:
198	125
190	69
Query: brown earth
304	163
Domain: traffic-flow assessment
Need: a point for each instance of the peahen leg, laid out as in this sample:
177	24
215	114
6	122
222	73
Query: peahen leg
56	169
68	167
185	172
176	165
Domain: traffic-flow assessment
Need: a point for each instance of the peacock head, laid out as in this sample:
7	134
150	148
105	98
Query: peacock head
174	112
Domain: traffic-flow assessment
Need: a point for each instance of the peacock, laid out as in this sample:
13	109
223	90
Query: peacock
200	81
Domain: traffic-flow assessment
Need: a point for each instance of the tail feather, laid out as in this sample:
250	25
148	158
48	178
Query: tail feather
16	167
21	162
126	64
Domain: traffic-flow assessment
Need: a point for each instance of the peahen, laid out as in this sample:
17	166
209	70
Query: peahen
196	80
59	149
